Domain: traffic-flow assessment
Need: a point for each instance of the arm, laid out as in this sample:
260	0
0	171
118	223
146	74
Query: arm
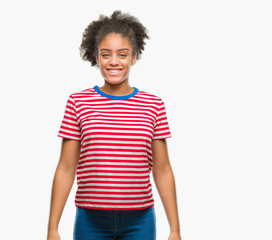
165	183
62	184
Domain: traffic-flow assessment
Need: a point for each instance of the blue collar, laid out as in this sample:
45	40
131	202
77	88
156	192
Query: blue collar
96	88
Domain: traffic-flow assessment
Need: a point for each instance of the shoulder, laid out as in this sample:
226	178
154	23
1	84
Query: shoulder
82	93
149	96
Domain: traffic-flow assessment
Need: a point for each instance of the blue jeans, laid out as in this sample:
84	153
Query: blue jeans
96	224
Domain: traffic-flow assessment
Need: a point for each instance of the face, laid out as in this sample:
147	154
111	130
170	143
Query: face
115	58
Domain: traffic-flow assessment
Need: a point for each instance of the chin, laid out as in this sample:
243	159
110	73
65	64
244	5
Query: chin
114	82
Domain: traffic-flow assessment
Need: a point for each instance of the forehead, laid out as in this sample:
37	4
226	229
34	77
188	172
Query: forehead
114	41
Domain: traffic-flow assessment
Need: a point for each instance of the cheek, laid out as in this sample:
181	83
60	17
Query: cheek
102	62
127	62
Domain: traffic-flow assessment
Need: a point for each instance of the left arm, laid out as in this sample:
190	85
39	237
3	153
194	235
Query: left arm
165	183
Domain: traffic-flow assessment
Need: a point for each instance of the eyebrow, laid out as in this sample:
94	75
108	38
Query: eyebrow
122	49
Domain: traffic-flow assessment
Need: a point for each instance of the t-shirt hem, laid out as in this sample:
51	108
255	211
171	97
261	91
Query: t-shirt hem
103	208
69	137
162	137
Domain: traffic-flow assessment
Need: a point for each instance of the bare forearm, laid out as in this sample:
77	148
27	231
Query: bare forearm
165	184
62	185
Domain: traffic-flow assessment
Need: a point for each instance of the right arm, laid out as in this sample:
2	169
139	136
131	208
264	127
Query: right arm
62	184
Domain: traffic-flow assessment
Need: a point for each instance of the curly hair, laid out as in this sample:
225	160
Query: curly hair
123	23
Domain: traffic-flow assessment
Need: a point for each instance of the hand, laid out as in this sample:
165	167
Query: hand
174	236
53	235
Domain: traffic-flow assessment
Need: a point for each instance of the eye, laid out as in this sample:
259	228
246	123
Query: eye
105	55
123	55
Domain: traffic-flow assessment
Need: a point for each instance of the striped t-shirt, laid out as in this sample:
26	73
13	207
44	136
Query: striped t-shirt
113	171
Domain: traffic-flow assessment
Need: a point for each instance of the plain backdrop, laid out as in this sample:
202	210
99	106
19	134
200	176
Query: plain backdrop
210	61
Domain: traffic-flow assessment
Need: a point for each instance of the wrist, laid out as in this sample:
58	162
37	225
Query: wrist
175	230
52	228
174	236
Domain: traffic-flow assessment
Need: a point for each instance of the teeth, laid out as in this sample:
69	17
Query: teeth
114	71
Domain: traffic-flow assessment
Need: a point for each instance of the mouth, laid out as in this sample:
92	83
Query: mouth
114	71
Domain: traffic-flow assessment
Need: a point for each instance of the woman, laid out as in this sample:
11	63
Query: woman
113	137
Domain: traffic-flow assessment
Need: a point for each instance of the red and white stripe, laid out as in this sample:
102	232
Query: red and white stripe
113	171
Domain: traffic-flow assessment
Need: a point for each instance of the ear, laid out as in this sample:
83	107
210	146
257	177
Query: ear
133	61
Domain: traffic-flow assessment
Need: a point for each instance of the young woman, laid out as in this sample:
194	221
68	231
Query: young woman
113	137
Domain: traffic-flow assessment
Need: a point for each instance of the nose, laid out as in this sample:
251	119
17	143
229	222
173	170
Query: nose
113	60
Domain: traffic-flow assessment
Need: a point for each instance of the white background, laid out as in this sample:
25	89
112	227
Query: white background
210	61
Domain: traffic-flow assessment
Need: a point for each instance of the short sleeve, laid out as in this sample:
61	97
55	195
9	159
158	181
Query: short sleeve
69	127
161	128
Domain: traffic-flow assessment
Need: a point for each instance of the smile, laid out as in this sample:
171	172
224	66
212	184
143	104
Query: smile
114	71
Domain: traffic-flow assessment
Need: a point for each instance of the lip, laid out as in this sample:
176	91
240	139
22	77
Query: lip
114	71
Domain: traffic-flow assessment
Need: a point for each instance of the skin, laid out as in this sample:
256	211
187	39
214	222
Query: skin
62	184
164	180
114	53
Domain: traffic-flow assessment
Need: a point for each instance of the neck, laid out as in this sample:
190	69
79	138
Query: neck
120	89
